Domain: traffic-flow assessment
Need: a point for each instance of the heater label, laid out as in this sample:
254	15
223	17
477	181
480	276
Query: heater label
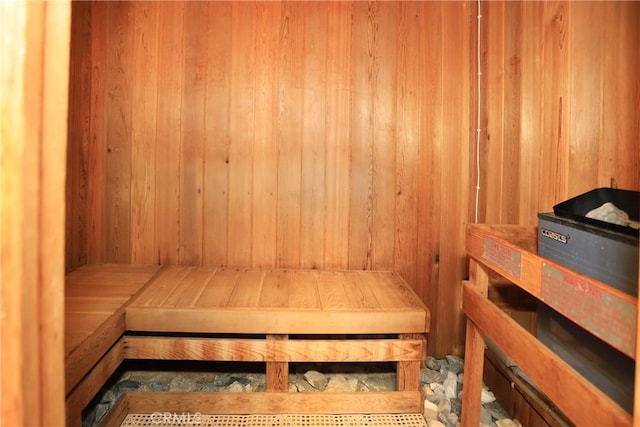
607	316
508	259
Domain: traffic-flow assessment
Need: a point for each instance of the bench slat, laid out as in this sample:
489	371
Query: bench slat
190	288
132	270
277	302
359	293
256	350
99	291
93	304
246	293
331	290
303	290
80	396
83	322
276	403
274	292
219	289
391	292
95	300
274	321
163	286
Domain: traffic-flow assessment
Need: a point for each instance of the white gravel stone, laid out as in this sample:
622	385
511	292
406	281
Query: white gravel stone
235	387
430	410
182	384
453	418
443	388
318	380
427	390
339	383
451	385
437	388
485	416
487	396
508	423
444	407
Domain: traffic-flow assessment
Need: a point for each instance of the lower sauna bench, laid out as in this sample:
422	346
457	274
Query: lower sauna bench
95	300
279	317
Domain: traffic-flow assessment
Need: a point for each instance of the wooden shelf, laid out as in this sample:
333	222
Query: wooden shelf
510	252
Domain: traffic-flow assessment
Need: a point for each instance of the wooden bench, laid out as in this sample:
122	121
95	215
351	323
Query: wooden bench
276	317
95	300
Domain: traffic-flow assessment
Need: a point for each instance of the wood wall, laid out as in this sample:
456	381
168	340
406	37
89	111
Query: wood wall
561	103
33	137
340	134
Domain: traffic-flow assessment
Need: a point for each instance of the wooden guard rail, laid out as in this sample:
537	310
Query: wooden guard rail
515	260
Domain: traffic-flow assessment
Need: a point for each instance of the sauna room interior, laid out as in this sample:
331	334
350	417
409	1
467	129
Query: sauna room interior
295	135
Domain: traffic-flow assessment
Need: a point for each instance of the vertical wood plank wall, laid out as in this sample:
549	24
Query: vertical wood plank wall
33	137
339	134
561	104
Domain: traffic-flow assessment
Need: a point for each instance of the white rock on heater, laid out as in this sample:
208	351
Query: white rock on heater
610	213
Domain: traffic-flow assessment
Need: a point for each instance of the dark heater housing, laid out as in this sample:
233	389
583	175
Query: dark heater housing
603	251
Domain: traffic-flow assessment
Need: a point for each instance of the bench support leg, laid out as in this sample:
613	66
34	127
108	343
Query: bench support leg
408	373
277	373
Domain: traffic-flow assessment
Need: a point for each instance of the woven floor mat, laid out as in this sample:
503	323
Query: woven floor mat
289	420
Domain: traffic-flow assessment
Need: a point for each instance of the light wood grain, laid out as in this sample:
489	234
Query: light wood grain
79	98
341	134
408	371
218	137
83	350
331	291
303	290
118	125
270	303
585	405
169	130
550	126
474	360
190	287
219	289
276	403
454	197
290	87
269	16
337	143
277	371
531	265
80	396
164	286
277	348
207	299
99	291
313	195
411	91
241	129
94	305
144	126
33	94
93	144
192	122
117	414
